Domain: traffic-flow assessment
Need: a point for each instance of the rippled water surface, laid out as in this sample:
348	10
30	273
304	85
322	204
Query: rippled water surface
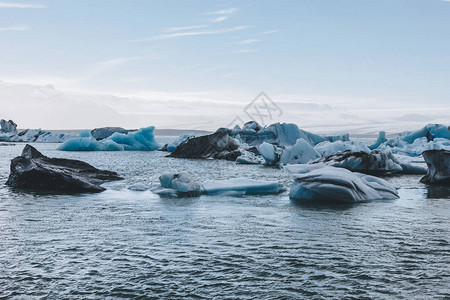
130	244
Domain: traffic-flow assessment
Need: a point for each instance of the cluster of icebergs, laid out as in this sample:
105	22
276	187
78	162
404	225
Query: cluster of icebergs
9	133
323	167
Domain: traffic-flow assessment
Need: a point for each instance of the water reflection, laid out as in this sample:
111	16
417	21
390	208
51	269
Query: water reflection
438	191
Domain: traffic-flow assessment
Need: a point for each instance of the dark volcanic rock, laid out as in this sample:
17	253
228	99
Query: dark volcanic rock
438	162
33	170
219	145
104	132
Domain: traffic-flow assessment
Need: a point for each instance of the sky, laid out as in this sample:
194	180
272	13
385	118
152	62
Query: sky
357	58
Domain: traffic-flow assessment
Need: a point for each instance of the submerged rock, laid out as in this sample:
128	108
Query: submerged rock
105	132
33	170
219	145
315	183
438	162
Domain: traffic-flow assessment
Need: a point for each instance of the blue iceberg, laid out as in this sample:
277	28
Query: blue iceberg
141	140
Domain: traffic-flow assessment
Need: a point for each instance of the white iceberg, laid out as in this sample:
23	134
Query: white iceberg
300	153
318	183
270	153
241	186
413	143
141	140
181	184
327	148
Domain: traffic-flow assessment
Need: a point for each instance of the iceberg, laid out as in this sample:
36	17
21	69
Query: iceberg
318	183
181	184
438	162
141	140
241	186
285	134
300	153
9	133
105	132
376	162
8	126
327	148
171	147
413	143
380	140
270	153
219	145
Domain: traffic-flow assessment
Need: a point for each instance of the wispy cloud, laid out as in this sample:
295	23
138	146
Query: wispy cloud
114	63
223	11
220	19
20	5
14	28
173	29
249	41
269	32
190	33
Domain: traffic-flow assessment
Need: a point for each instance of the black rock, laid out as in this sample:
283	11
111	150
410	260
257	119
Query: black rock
219	145
32	170
438	162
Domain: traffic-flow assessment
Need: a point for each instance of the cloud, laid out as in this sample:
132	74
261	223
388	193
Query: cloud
249	41
173	29
190	33
20	5
269	32
14	28
220	19
116	62
223	11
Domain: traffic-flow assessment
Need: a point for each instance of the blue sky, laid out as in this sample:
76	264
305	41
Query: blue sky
393	51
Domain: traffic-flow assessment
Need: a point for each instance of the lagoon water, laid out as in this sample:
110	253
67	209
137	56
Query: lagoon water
124	243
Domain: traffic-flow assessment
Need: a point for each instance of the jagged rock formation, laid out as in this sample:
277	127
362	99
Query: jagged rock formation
32	170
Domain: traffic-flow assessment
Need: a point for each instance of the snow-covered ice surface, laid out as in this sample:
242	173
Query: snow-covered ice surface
323	183
141	140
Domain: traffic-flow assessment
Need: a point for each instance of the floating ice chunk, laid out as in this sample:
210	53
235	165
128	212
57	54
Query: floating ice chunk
269	153
327	148
301	153
142	140
314	183
241	186
138	187
183	183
